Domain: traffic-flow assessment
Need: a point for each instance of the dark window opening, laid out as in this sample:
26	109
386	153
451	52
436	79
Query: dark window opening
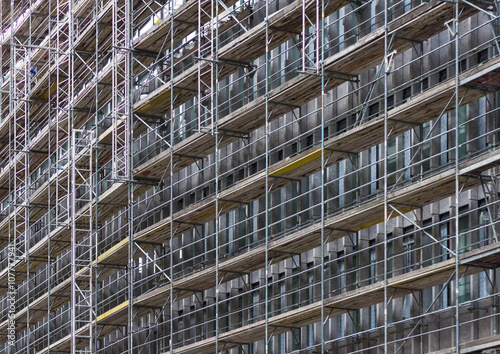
280	155
482	56
390	102
406	93
425	83
373	110
241	174
229	180
253	168
442	75
463	65
341	125
309	140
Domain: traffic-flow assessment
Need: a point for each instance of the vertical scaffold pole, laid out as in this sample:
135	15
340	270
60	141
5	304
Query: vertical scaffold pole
322	44
386	211
214	89
457	181
127	141
12	176
172	150
267	197
72	180
49	194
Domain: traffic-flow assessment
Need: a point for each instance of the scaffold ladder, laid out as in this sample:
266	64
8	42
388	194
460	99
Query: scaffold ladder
83	240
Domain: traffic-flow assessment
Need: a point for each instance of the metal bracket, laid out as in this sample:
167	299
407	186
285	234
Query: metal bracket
451	30
389	59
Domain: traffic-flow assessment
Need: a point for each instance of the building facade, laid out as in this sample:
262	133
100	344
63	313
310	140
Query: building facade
280	176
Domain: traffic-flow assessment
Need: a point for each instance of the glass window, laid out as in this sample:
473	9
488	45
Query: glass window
463	225
462	131
464	289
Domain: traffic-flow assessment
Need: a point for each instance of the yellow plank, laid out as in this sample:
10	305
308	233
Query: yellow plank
112	249
53	89
112	311
314	155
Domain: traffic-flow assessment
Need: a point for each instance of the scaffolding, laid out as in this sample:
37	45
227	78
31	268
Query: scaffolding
291	176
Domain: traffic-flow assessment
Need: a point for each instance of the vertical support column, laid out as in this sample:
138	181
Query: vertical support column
19	149
49	220
172	156
27	169
121	89
83	162
207	34
18	141
83	238
94	165
19	153
267	197
207	104
214	89
63	114
312	53
76	295
12	175
123	143
321	46
457	181
386	206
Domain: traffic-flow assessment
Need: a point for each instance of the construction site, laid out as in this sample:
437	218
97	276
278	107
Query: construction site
249	176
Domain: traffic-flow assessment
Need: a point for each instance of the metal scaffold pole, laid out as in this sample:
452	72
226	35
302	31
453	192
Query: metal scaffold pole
218	136
50	193
94	166
457	175
170	179
121	90
17	83
83	206
385	179
123	138
320	22
267	196
72	180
